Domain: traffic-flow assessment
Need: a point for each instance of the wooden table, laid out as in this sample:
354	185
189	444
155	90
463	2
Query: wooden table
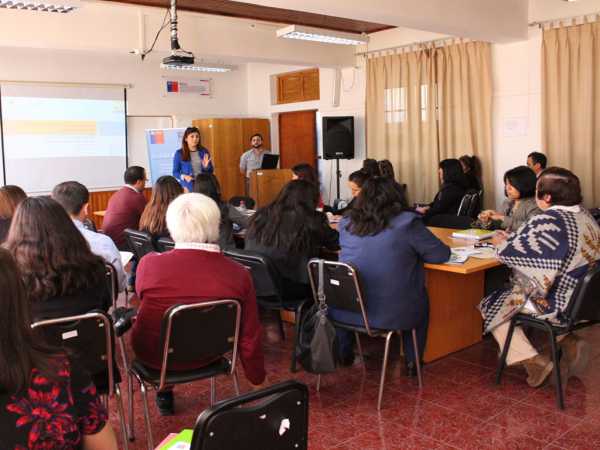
454	292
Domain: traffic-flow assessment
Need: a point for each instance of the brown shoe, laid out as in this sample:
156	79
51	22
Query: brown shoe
577	352
538	368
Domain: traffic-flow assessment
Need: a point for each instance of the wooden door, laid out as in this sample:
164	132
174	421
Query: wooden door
298	138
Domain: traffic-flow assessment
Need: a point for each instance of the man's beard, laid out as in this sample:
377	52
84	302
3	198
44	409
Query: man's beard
257	145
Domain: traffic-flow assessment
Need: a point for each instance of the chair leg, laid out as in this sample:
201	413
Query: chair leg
146	414
505	351
557	377
386	353
360	352
121	417
213	390
236	387
414	336
105	402
296	336
319	382
130	397
281	332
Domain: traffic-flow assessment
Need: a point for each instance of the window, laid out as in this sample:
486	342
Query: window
396	104
298	86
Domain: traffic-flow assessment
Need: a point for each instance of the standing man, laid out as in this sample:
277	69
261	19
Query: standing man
124	210
537	161
252	159
75	197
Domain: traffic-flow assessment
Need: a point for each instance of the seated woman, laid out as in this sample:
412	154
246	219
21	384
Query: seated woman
372	166
387	170
518	207
165	190
389	245
45	401
355	182
195	271
207	184
454	186
304	171
62	276
290	231
470	165
10	198
548	255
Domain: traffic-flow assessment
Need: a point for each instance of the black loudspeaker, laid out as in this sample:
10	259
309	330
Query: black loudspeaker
338	137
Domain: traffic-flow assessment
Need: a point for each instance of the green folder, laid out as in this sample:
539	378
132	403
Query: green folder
180	442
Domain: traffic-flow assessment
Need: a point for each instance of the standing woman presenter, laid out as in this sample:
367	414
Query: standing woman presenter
192	159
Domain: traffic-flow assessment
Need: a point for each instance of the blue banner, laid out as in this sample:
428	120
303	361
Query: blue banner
162	145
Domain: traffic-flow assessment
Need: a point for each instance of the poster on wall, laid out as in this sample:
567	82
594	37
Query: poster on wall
162	145
174	87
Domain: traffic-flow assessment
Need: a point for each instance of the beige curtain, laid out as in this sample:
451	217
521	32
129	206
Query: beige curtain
571	103
400	116
401	113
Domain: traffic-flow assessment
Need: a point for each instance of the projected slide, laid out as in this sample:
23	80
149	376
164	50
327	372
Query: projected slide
56	134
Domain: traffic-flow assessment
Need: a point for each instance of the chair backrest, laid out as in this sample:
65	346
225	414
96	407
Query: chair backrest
467	205
248	201
88	224
342	285
140	242
199	331
113	283
584	303
165	244
89	336
266	279
279	422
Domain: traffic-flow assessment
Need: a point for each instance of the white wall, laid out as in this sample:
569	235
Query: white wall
352	103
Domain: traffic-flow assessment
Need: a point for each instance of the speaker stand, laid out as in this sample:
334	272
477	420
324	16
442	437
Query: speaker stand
339	175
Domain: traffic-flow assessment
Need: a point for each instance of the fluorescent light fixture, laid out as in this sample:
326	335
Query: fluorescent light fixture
64	6
321	35
203	67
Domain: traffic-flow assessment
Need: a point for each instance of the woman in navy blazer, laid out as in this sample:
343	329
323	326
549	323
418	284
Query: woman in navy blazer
389	245
185	159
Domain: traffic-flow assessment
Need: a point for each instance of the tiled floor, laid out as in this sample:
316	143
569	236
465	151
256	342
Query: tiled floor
458	407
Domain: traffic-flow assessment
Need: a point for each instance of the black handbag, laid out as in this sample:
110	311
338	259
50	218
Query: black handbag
317	350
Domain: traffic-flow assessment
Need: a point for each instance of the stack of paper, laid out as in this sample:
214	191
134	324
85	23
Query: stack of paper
480	234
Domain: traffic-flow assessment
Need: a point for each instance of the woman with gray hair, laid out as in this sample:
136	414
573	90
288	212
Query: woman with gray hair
195	271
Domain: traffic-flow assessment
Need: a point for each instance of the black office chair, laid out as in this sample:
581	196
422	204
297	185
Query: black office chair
91	339
248	201
583	305
468	203
269	290
89	225
140	242
190	333
165	244
344	290
229	425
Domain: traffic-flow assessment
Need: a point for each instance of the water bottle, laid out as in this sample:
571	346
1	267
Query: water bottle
242	207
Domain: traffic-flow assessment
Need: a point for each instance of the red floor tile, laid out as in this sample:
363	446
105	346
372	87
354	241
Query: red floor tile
393	437
481	404
489	436
584	436
457	371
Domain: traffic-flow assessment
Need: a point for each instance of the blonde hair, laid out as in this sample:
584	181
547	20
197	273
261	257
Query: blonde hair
194	218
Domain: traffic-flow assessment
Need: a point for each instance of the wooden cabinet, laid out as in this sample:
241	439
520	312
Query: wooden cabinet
227	140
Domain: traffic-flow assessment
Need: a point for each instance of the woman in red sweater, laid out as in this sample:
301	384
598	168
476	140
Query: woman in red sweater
195	271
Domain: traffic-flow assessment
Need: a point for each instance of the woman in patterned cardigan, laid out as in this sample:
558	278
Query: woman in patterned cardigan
549	254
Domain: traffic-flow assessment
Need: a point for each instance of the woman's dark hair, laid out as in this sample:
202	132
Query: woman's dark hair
359	177
523	179
471	163
207	184
291	222
453	172
20	348
53	257
165	190
387	170
10	197
305	171
379	201
562	185
185	148
372	166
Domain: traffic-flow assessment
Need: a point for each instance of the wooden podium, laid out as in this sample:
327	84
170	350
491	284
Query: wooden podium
266	184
